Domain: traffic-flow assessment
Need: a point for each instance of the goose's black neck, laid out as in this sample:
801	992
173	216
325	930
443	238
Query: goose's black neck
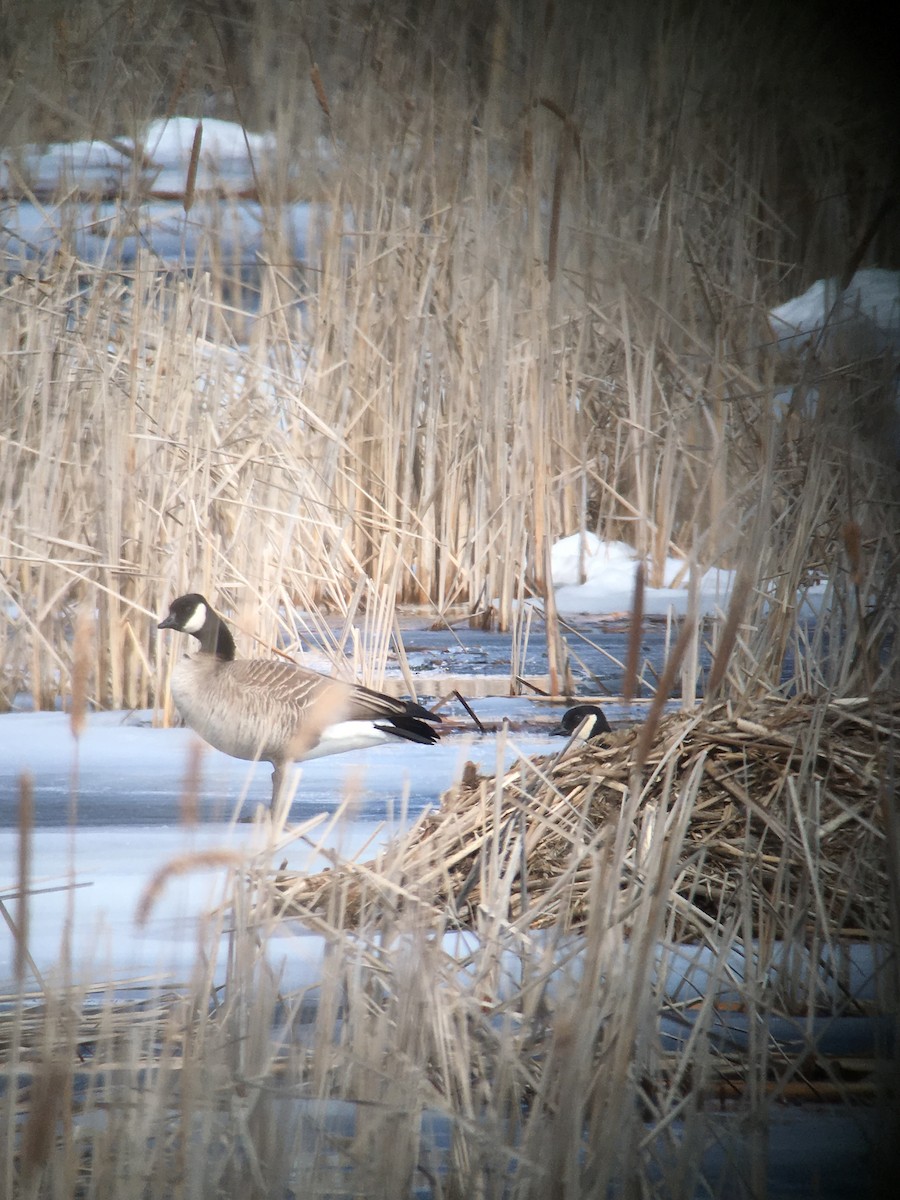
215	638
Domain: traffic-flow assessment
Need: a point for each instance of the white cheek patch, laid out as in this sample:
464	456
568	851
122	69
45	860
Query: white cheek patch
196	620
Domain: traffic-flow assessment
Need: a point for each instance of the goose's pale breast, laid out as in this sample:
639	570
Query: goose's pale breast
246	709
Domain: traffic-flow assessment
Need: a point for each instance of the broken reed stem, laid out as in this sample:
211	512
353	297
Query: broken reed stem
663	690
635	634
26	829
81	668
727	638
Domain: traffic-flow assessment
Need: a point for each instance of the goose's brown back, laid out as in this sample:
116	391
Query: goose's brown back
269	710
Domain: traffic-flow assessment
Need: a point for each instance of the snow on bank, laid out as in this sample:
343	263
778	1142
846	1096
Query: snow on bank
88	207
597	577
231	159
234	234
594	577
859	324
864	319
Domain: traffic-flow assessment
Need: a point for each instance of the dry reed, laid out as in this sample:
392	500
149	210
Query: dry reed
466	392
745	774
533	306
524	1054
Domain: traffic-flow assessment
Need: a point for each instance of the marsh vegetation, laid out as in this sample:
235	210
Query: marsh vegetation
538	307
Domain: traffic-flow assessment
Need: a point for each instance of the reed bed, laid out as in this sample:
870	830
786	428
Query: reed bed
523	313
579	1036
537	306
786	824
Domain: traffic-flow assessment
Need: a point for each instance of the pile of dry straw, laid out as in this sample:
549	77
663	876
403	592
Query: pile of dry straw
772	820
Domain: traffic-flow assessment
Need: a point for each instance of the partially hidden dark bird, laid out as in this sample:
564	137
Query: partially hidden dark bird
572	719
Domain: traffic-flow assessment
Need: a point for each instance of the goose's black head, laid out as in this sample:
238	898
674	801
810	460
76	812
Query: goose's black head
194	614
572	718
187	614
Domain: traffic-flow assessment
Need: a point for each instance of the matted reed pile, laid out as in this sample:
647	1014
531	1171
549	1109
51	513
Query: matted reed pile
510	1057
784	828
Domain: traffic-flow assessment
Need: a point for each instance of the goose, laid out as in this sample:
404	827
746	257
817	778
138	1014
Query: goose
256	708
572	719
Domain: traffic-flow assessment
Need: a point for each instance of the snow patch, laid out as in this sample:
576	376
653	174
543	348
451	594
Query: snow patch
864	318
597	577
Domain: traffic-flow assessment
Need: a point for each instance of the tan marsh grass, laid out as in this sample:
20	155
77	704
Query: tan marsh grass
534	305
525	1057
545	320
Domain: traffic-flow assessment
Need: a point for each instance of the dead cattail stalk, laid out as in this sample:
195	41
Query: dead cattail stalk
48	1092
319	89
635	633
555	213
190	182
852	535
736	608
26	828
190	790
663	690
81	669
